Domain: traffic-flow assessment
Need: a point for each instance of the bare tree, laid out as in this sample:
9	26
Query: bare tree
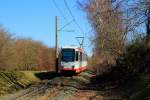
106	18
32	55
24	54
5	49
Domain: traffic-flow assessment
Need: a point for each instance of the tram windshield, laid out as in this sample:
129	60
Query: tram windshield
68	55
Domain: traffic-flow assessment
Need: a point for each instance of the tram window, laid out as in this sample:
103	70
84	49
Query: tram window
81	58
84	57
77	56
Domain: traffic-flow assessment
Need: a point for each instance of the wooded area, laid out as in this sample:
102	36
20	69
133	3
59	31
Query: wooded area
122	29
24	54
121	45
119	68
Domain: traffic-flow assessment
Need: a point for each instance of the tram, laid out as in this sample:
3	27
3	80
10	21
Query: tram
73	59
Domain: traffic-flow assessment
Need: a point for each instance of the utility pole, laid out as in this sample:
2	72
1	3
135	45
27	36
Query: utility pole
56	49
147	26
148	23
56	45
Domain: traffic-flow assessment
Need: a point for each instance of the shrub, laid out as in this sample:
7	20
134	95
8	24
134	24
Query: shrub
136	57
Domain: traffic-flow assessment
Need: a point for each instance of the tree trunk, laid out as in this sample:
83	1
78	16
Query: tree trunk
148	27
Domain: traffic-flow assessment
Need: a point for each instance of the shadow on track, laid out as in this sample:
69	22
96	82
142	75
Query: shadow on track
68	73
53	74
47	75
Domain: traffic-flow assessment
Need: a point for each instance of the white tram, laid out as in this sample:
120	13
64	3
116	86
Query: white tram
72	59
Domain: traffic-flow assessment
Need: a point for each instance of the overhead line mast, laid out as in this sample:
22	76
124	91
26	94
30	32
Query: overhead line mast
56	51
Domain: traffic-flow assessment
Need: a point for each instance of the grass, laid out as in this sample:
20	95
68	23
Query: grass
12	81
9	82
29	77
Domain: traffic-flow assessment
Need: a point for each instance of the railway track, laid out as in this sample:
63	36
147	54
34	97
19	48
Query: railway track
46	89
33	92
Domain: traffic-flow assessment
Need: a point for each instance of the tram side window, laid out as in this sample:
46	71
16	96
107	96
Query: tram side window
84	57
81	58
77	55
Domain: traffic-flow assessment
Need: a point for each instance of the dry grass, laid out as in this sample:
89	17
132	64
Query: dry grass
12	81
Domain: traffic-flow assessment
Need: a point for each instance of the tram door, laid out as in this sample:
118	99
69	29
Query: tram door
78	59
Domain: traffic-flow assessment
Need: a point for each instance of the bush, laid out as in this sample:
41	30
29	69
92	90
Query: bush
136	57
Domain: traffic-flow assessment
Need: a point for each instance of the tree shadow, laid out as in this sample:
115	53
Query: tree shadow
47	75
68	73
102	82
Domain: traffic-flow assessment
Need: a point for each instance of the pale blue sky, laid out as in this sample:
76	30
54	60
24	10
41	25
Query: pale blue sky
36	19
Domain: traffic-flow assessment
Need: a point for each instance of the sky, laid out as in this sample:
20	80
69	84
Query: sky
35	19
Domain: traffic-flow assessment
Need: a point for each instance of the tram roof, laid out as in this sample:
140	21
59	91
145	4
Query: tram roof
73	47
